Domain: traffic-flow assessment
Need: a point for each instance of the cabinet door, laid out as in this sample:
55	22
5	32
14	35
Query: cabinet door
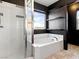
17	40
12	43
4	32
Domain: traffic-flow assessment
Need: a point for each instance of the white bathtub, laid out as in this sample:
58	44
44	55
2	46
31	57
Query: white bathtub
46	44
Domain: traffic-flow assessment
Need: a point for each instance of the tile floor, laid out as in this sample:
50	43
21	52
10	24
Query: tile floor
71	53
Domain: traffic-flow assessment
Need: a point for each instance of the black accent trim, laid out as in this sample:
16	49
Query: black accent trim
39	31
61	32
47	23
65	41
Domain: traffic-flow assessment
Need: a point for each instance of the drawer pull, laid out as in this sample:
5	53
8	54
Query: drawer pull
19	16
1	14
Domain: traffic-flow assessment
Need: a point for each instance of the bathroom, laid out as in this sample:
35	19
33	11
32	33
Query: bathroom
35	29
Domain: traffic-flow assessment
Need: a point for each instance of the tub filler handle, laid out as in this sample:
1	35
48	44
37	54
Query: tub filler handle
55	38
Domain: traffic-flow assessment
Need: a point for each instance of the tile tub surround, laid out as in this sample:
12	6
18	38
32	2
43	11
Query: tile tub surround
45	46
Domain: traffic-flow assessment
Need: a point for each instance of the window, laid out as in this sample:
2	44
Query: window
39	20
77	20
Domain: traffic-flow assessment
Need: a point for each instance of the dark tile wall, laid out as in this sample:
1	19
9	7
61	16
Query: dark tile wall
73	34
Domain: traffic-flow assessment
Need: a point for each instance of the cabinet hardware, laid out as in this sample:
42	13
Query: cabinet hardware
19	16
1	26
1	14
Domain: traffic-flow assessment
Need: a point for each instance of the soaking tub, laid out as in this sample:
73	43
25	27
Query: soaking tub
46	44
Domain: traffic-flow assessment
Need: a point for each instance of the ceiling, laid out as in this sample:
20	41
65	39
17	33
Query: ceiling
46	2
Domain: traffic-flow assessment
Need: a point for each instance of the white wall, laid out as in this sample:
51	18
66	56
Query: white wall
57	23
11	46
